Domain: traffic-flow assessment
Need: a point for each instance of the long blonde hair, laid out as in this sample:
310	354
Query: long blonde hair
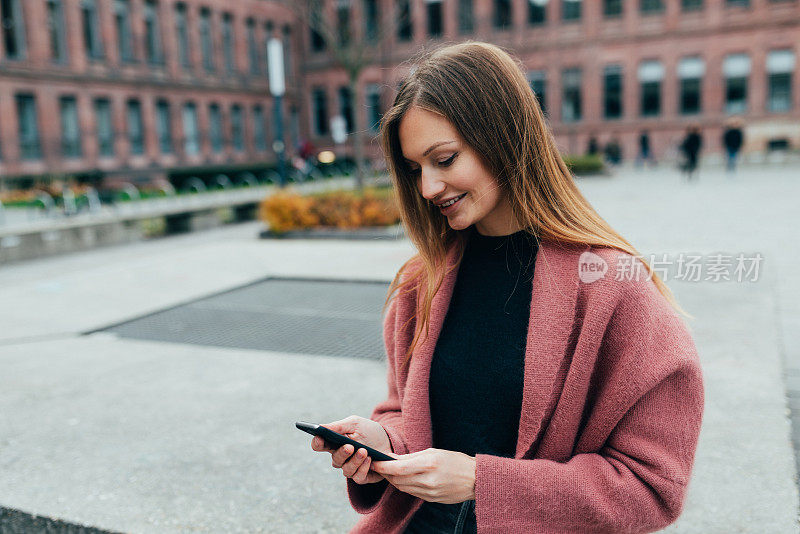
482	90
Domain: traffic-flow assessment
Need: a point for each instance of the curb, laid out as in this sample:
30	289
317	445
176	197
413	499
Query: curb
366	233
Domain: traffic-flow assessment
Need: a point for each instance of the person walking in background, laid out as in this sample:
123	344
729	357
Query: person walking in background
644	150
613	151
593	147
690	148
732	138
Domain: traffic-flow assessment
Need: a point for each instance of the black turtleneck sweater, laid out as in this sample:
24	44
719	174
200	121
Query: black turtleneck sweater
478	364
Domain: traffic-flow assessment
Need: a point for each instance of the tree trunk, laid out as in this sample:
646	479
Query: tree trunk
358	132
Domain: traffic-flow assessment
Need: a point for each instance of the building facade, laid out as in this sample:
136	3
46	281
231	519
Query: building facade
132	90
138	90
608	69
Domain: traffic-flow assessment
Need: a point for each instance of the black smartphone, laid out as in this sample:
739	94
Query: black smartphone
337	440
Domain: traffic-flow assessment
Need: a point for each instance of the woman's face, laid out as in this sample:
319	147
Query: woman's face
445	167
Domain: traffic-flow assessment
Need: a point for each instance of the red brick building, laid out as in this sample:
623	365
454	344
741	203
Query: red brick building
139	89
608	69
135	88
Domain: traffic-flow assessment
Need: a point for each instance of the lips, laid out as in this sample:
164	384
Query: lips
459	197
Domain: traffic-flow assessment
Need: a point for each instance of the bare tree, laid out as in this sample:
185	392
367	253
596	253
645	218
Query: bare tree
354	39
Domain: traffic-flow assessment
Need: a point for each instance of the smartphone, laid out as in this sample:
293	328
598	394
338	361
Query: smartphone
337	440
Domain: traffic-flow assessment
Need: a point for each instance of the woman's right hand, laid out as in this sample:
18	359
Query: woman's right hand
355	464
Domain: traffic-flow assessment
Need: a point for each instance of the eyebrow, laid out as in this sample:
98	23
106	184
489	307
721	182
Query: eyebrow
430	148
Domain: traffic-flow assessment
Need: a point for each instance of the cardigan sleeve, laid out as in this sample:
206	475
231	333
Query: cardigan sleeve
366	497
652	391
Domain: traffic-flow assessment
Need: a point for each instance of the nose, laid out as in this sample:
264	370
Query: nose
430	187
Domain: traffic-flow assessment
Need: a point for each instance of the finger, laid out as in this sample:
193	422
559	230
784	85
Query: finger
318	444
390	467
351	466
341	455
360	476
343	426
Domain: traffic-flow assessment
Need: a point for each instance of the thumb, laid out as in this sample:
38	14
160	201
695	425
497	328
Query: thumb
347	425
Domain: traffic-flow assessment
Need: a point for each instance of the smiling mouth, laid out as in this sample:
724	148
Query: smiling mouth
451	202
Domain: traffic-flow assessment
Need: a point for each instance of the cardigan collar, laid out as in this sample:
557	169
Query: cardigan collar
553	301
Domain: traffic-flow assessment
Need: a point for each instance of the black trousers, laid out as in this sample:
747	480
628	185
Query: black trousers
438	518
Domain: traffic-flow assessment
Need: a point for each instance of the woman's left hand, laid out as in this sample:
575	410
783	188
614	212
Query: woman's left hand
433	475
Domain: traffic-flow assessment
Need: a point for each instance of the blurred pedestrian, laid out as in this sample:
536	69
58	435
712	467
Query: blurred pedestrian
613	151
732	138
593	147
645	155
690	148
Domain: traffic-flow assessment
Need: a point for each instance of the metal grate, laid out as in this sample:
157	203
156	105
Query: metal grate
336	318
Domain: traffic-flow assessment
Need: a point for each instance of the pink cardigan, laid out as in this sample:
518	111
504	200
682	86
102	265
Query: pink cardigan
611	410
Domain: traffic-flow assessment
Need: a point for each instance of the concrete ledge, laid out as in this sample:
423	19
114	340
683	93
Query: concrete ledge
368	233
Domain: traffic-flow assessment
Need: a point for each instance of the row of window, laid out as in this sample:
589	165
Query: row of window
319	108
12	31
538	12
690	71
71	142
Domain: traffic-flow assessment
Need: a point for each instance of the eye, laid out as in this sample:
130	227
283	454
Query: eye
448	161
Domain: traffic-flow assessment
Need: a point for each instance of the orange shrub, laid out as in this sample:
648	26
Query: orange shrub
285	211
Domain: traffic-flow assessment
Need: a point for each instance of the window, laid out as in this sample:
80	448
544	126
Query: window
135	127
465	16
237	127
571	100
191	133
612	92
691	5
371	19
346	107
317	41
571	10
70	128
122	23
55	26
780	66
404	28
259	131
164	126
287	52
92	42
537	80
206	44
252	47
374	112
343	21
733	3
215	128
227	42
182	32
650	75
12	24
152	33
434	18
105	127
648	7
736	70
612	8
29	143
537	12
319	103
690	73
502	14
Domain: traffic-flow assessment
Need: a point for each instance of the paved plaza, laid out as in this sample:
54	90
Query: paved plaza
105	424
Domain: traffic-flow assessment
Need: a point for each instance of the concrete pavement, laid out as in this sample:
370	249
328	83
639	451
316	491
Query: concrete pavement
137	436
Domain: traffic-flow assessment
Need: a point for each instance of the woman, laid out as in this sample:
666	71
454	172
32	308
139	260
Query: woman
529	390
